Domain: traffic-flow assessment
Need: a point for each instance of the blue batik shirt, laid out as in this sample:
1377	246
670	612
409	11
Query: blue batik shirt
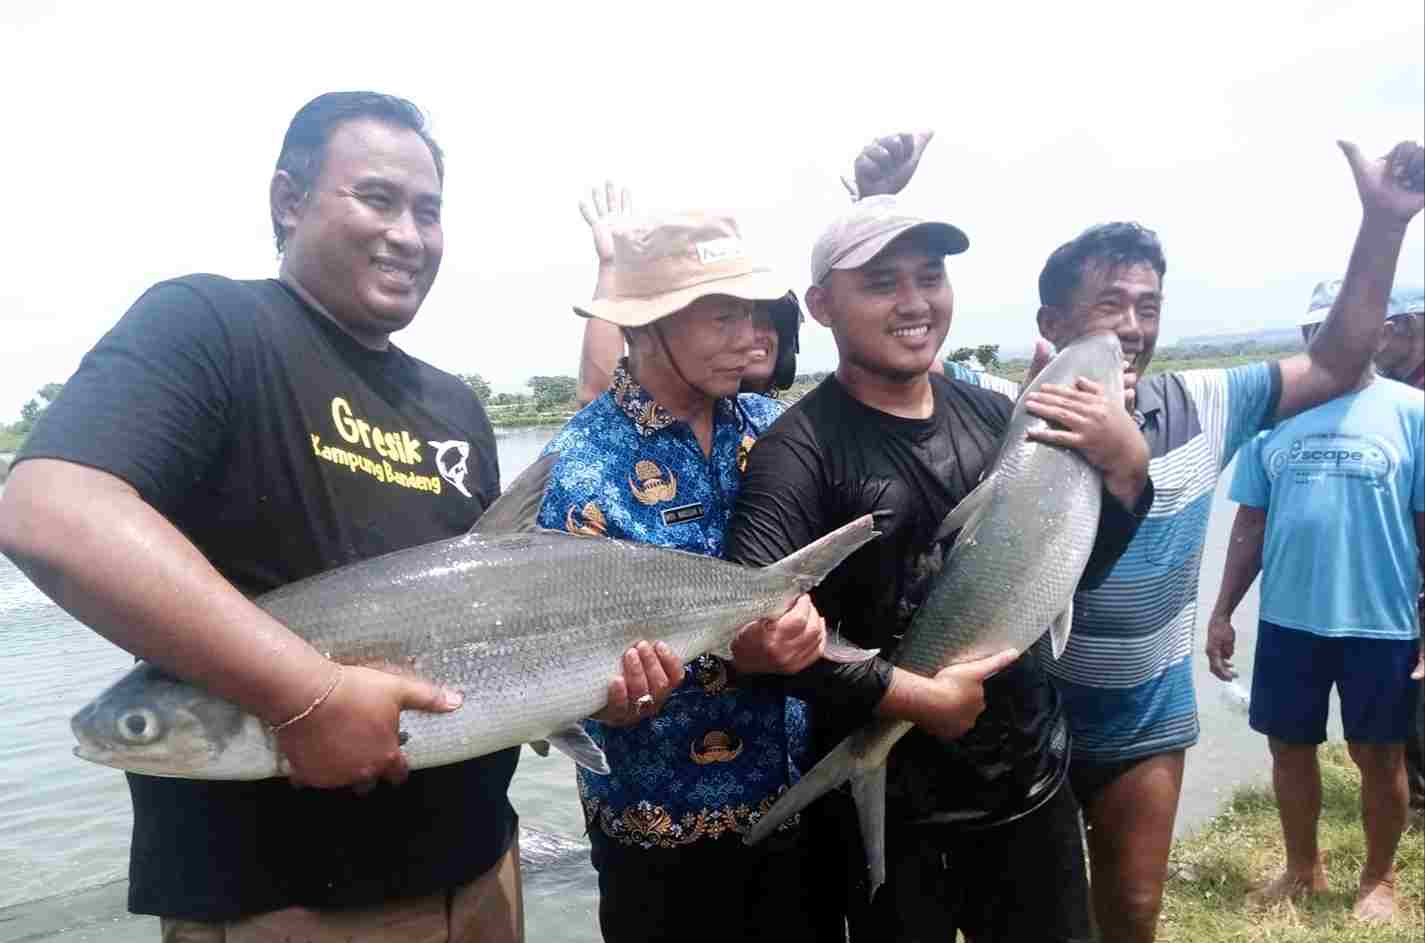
718	755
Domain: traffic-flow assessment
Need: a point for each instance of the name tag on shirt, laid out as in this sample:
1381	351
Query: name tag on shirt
683	514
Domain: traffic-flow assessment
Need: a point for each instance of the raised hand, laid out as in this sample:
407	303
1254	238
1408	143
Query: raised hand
1392	186
603	207
886	165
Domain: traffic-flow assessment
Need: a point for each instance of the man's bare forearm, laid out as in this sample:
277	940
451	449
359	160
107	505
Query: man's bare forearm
97	549
1244	559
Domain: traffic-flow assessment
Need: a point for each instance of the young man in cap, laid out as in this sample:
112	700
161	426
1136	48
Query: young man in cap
226	438
1326	517
981	834
1126	675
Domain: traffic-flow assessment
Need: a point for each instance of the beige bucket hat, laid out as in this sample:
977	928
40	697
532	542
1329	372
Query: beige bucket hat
663	264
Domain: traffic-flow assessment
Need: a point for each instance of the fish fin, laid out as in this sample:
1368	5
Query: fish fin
809	565
961	513
837	649
574	742
833	770
1059	630
843	652
517	509
540	746
869	792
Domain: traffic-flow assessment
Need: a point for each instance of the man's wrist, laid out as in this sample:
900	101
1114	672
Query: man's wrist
1127	486
1384	223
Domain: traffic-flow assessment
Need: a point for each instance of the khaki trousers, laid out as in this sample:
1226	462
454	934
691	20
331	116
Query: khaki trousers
490	909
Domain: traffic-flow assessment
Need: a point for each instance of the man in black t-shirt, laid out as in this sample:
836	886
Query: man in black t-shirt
980	835
226	438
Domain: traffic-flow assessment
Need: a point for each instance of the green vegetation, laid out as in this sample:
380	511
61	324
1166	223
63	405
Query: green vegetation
1212	871
13	436
1174	358
550	402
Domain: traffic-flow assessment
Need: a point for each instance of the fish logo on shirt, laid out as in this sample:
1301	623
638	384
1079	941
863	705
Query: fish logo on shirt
451	459
651	484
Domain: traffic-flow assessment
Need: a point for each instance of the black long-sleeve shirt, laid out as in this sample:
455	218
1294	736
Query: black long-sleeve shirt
827	461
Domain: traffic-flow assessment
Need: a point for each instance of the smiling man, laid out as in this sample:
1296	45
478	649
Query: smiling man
1126	674
978	817
228	437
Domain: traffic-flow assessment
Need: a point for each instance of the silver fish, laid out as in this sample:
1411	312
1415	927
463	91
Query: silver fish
1026	532
529	624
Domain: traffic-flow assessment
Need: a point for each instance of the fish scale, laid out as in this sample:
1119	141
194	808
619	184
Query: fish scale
530	625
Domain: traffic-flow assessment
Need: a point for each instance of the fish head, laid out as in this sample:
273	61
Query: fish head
150	722
1096	356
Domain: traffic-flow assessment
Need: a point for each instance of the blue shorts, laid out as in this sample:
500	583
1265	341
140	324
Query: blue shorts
1293	674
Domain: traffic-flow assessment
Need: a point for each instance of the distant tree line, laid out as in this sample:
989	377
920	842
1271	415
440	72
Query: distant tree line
14	435
547	393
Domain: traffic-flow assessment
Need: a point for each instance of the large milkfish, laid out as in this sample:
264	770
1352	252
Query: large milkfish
528	624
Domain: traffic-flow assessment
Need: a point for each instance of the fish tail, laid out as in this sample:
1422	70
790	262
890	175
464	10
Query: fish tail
810	565
869	792
833	770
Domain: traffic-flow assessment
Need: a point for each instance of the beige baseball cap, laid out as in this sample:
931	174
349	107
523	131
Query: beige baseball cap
663	264
858	235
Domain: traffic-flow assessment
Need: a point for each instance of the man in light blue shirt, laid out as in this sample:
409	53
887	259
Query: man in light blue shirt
1333	512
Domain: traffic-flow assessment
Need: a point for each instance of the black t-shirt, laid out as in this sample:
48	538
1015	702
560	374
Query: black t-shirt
282	448
828	460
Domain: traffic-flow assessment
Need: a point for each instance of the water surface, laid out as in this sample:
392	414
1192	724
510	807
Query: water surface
64	823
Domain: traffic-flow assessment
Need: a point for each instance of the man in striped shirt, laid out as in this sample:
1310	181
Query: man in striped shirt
1126	676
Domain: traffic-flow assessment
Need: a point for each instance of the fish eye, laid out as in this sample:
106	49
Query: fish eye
138	726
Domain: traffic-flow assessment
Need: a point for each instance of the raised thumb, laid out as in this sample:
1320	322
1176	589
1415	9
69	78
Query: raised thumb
1353	155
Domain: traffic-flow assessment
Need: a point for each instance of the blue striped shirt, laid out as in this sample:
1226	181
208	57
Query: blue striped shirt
1126	676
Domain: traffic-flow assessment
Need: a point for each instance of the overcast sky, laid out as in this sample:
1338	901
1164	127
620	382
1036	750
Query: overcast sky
141	137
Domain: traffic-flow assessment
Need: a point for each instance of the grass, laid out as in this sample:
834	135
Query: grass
1212	871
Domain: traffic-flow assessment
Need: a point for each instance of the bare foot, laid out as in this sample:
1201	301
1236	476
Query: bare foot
1289	886
1376	902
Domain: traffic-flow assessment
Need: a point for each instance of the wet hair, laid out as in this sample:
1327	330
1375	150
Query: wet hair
1112	244
304	148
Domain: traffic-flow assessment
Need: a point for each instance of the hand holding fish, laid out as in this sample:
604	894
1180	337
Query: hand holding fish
1221	644
948	704
651	672
350	736
1099	430
781	646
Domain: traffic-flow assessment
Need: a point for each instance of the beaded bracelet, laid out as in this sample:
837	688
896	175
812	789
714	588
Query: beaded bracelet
321	699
